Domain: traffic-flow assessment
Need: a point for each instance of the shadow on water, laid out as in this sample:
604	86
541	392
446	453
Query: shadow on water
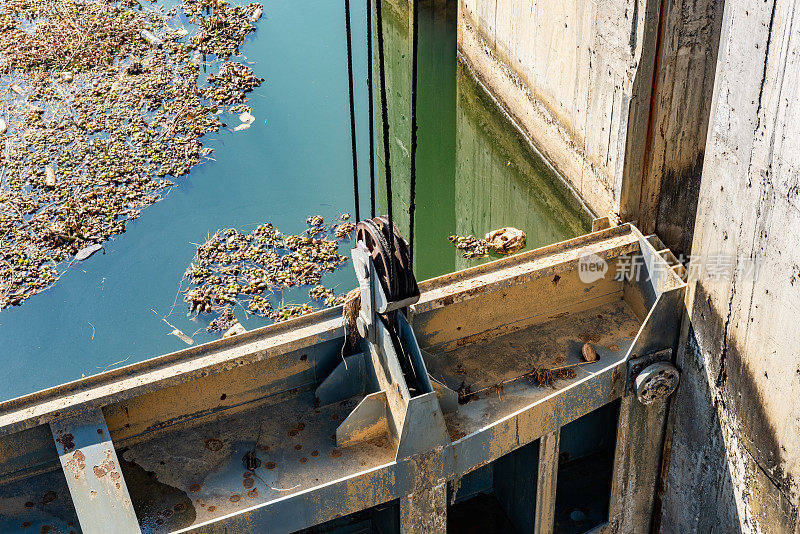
475	173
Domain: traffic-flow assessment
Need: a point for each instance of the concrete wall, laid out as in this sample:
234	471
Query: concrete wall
735	455
578	76
567	71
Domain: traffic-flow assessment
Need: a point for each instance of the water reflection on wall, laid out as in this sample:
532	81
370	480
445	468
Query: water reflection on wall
500	180
475	171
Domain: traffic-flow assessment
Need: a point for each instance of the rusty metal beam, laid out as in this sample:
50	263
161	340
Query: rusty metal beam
546	482
93	473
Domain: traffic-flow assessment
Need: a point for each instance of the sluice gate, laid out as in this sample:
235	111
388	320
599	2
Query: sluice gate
279	430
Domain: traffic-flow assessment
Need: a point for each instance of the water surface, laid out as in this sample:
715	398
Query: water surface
475	174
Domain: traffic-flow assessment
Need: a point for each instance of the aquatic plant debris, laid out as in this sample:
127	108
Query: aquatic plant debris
232	268
102	106
470	246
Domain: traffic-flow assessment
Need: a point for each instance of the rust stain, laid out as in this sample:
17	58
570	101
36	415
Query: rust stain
484	336
315	453
212	509
616	378
613	347
66	440
25	524
589	338
106	466
235	498
49	496
213	444
194	488
335	453
556	278
270	465
76	464
253	493
247	483
180	508
298	447
30	504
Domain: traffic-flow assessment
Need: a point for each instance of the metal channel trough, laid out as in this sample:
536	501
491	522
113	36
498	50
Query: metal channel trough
273	431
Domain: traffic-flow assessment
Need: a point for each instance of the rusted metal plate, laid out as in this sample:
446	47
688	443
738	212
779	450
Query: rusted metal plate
93	473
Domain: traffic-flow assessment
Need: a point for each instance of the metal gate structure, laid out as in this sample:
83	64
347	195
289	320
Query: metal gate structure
274	431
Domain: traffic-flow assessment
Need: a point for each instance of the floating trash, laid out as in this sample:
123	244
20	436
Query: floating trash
506	240
86	252
502	241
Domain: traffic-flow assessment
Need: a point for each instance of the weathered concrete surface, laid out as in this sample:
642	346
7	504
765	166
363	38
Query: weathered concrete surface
579	79
681	100
575	75
735	458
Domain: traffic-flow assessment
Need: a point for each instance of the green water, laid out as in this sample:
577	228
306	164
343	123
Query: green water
475	174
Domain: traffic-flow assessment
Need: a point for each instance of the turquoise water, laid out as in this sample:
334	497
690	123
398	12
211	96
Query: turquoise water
475	173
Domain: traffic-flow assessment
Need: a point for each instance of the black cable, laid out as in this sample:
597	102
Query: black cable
372	193
385	124
413	181
352	106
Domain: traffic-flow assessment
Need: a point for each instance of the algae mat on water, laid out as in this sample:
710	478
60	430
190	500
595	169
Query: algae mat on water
102	103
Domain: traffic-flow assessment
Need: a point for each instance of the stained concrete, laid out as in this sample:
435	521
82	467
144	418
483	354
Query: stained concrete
567	71
616	94
735	456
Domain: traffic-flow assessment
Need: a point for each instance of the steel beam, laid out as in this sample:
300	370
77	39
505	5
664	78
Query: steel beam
93	473
546	482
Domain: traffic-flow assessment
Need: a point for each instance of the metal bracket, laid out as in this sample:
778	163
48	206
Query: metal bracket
93	473
638	366
414	417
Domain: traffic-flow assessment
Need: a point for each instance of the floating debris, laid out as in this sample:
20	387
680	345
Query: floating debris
235	330
94	136
343	230
86	252
470	246
502	241
49	176
183	337
232	269
506	240
151	39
